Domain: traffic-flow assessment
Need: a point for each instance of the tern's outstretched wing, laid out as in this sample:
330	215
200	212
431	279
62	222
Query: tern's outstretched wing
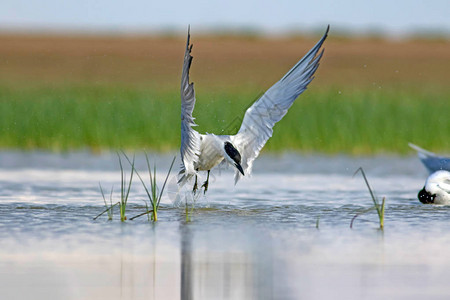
430	160
190	139
260	118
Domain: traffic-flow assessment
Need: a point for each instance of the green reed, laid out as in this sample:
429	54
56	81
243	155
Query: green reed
380	208
367	121
154	194
125	188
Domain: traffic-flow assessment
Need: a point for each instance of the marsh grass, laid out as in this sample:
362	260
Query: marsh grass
109	207
154	194
380	208
65	92
125	187
97	117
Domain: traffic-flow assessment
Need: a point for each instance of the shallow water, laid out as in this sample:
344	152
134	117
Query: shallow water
257	240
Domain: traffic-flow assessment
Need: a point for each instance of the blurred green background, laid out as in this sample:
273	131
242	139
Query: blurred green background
371	95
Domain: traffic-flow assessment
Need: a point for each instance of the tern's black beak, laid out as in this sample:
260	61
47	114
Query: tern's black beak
234	155
238	166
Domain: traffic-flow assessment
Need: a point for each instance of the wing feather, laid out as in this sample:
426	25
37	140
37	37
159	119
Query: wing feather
190	139
272	106
430	160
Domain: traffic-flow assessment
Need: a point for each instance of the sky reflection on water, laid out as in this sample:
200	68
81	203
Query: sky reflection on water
256	241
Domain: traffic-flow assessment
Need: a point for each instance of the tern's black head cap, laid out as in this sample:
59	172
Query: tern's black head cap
232	152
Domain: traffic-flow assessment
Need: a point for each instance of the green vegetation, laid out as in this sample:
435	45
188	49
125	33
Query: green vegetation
109	208
125	187
152	194
380	208
363	121
370	96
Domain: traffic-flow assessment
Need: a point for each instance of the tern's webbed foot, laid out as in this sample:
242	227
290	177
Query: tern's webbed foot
205	185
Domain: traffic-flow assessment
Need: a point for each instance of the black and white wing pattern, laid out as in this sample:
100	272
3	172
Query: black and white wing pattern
259	119
432	161
190	139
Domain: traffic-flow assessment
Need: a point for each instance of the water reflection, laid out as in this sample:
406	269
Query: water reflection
187	271
201	265
218	273
256	241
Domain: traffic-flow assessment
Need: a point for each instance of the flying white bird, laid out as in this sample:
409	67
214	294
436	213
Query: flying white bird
436	189
432	161
202	152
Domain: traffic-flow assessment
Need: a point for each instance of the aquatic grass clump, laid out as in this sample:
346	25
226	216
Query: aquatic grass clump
125	187
154	193
380	208
153	196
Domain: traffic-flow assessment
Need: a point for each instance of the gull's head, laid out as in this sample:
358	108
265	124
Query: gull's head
233	156
425	197
436	189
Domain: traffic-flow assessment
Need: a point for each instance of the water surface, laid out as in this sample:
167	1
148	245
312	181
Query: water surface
256	240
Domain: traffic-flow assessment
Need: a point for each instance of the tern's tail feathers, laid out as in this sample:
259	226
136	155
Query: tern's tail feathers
183	177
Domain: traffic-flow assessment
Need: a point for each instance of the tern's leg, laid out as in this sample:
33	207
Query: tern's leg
205	184
195	185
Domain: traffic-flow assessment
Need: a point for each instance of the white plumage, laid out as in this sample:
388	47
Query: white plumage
202	152
436	189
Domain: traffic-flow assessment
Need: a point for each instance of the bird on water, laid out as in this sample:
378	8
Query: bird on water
436	189
437	186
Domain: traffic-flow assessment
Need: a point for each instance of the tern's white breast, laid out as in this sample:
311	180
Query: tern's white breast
211	153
